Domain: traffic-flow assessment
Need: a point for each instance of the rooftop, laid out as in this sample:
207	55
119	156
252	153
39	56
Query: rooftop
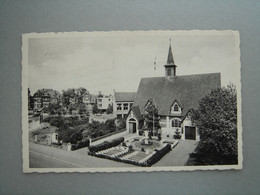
188	90
125	96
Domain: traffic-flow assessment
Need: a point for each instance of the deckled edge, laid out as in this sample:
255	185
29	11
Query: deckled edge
24	85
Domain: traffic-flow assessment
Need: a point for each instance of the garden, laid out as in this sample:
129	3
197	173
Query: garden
74	130
133	151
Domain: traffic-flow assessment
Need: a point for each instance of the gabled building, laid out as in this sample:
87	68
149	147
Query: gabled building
123	103
43	97
30	100
174	97
89	101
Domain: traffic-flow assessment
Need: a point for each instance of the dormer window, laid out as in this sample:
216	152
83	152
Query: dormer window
149	102
176	108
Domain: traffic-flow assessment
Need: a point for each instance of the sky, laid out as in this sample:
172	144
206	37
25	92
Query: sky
107	61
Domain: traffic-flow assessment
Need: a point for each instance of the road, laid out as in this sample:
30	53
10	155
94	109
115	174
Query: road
49	157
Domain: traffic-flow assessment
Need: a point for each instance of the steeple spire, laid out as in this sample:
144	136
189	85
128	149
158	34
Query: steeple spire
170	60
170	67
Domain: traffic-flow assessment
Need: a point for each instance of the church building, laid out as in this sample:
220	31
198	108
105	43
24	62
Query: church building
174	97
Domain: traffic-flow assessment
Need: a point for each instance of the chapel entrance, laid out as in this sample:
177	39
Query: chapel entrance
132	125
190	133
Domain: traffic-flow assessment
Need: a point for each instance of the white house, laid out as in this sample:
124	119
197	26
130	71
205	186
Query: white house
104	102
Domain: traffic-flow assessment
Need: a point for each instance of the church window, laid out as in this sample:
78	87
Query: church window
176	123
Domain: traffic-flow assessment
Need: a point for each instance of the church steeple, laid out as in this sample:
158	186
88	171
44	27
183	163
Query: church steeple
170	57
170	67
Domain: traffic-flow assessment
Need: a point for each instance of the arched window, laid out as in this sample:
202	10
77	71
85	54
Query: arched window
176	123
176	107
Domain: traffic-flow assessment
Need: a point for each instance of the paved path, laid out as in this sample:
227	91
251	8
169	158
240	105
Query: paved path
179	155
49	157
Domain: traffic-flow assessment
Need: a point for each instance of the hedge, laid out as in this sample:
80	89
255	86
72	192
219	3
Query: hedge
105	145
158	155
80	144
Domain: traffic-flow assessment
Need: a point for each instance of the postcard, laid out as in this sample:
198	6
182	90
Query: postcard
121	101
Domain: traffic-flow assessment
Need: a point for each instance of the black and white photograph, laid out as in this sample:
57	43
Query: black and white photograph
121	101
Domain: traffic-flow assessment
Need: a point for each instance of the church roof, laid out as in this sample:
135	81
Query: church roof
137	112
187	89
125	96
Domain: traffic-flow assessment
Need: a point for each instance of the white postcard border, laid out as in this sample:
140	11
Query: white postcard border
24	83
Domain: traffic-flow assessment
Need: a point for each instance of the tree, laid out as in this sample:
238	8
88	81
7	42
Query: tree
151	118
110	125
216	119
95	109
73	96
54	107
121	124
82	108
109	109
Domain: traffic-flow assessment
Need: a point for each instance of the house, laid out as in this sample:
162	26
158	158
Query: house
52	138
174	96
104	101
30	100
43	97
89	101
123	102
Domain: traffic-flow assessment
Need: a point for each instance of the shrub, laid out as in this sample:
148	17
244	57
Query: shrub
141	132
105	145
80	144
121	124
177	136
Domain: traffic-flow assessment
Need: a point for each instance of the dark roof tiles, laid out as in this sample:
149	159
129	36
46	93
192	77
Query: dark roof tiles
137	113
186	89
